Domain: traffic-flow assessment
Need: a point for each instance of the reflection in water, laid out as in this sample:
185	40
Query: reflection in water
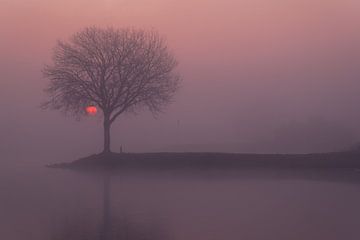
107	226
39	203
111	227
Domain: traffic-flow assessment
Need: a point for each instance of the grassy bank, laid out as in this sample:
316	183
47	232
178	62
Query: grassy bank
339	160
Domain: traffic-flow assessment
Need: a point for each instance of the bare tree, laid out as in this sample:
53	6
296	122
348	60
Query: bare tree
118	70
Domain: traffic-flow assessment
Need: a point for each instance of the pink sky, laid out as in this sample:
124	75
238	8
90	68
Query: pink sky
249	67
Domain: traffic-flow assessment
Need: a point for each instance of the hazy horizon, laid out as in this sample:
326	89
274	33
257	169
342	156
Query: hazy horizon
258	76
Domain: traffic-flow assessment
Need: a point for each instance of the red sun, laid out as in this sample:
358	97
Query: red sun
91	110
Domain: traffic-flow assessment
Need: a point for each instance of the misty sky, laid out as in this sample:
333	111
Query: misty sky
258	75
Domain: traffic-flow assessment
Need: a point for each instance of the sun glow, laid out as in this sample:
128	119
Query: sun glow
91	110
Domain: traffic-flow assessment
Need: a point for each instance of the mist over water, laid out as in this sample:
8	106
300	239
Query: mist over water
42	203
259	76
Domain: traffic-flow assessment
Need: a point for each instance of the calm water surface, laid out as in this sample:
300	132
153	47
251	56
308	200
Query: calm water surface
40	203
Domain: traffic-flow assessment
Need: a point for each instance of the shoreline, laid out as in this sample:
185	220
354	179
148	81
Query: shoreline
217	161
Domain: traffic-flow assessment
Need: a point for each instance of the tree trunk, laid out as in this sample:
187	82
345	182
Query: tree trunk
107	125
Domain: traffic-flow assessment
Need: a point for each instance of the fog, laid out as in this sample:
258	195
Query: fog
258	76
40	203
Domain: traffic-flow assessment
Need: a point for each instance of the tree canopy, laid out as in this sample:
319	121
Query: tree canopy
118	70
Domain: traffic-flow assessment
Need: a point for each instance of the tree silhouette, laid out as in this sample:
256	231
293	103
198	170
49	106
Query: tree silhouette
118	70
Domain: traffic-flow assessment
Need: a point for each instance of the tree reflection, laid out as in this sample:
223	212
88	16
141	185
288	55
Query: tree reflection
110	227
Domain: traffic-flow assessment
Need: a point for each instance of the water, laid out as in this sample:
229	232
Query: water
40	203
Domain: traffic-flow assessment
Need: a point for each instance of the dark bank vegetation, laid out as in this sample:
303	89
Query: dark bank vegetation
216	161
